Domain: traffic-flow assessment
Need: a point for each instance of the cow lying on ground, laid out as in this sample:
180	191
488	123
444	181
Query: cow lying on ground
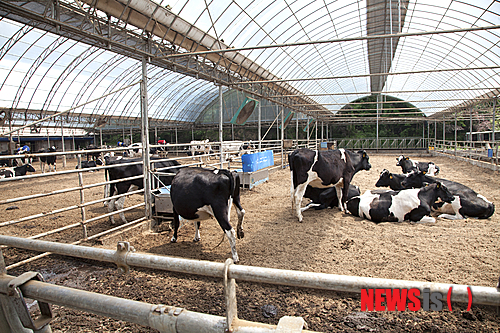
398	206
322	198
50	160
126	171
322	169
392	180
408	165
16	171
467	203
90	164
92	156
198	194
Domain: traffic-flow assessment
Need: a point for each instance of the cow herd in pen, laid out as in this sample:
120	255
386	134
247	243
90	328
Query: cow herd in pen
325	177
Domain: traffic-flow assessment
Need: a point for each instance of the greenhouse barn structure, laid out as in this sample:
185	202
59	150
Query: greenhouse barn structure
222	78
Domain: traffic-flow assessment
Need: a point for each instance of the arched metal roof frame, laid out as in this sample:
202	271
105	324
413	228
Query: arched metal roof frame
277	60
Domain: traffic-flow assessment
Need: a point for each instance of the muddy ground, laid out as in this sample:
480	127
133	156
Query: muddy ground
328	241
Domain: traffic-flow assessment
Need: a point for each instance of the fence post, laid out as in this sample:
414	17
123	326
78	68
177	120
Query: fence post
82	196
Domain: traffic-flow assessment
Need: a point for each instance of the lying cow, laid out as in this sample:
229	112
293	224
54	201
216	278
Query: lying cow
408	165
16	171
322	169
467	203
398	206
90	164
322	198
50	160
198	194
392	180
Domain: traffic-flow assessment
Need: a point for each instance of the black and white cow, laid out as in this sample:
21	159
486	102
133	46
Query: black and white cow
50	160
90	164
125	171
16	171
92	156
322	169
199	194
398	206
392	180
322	198
408	165
5	162
467	202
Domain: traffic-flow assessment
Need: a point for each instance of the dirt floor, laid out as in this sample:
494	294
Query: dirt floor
328	241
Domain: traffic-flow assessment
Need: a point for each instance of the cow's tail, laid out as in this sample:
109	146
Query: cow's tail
231	180
291	159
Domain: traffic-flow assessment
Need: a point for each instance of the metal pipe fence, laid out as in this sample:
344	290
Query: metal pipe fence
483	153
79	202
124	257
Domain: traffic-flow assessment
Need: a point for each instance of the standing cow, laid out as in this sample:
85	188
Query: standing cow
128	171
50	160
198	194
322	169
398	206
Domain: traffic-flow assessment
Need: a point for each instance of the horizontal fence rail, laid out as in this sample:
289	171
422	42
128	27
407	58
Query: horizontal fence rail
86	184
157	316
345	283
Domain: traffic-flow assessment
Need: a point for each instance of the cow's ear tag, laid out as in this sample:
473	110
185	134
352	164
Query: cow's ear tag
437	186
390	177
364	155
424	172
407	158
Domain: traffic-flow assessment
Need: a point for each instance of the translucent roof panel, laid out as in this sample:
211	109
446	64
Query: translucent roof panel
442	54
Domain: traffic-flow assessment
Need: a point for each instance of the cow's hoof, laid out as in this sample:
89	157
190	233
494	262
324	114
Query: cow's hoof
240	234
196	240
173	240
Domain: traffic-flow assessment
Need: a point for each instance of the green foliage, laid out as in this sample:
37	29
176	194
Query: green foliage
398	108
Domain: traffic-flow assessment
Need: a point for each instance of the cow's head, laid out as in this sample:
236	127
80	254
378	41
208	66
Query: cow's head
365	161
443	193
30	168
399	159
384	178
99	161
414	179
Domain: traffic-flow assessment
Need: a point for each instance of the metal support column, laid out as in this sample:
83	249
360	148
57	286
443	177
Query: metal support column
297	130
221	119
455	133
378	107
82	197
444	134
470	132
494	146
307	126
282	133
145	140
62	140
259	124
316	136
